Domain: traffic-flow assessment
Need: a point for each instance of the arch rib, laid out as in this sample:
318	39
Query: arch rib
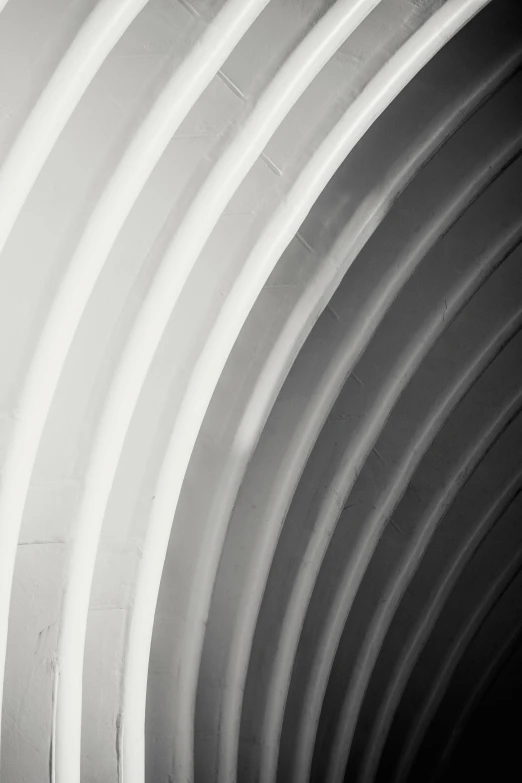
366	108
451	661
423	629
507	648
177	263
276	367
91	45
124	187
409	562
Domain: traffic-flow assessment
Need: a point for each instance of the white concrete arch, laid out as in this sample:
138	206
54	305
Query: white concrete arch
499	455
236	668
278	233
218	219
495	592
97	36
180	256
246	431
283	666
492	516
383	617
499	461
343	481
71	298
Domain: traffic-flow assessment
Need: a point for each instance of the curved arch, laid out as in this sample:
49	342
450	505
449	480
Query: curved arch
408	564
452	659
260	284
97	36
504	653
248	429
207	546
337	492
148	144
357	450
179	258
290	469
372	101
423	628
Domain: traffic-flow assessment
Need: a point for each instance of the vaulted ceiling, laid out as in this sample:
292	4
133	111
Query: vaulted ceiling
260	390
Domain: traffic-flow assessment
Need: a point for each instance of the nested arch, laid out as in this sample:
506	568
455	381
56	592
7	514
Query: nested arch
261	297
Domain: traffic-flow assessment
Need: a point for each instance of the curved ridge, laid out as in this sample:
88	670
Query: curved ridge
364	110
35	399
200	218
415	644
335	497
281	352
351	466
487	604
260	405
503	654
383	617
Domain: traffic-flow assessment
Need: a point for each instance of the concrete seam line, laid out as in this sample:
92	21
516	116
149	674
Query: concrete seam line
95	39
381	621
451	661
421	632
330	507
366	108
507	648
275	370
178	96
